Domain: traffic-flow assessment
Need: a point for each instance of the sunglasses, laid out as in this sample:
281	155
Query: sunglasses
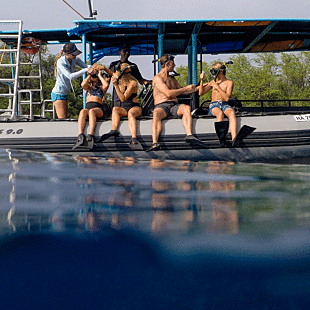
125	51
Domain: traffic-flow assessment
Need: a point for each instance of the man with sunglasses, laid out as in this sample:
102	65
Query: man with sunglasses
165	92
124	51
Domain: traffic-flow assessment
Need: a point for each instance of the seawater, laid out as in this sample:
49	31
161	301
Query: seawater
119	233
50	192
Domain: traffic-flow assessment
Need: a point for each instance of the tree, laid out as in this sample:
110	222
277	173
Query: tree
295	70
264	76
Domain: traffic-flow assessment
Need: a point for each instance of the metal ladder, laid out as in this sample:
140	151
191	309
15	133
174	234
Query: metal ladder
21	97
12	83
29	93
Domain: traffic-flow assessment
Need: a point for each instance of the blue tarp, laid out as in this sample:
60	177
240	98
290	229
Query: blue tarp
141	49
222	47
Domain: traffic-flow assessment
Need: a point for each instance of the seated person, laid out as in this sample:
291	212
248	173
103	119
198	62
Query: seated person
125	104
95	86
221	92
165	92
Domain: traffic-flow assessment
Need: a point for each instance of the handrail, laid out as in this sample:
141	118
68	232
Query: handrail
263	102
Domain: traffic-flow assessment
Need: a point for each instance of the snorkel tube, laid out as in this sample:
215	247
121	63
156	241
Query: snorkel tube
222	67
123	71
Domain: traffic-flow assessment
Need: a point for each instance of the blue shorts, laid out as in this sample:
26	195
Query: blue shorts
55	97
222	105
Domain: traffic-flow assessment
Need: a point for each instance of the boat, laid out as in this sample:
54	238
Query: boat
282	134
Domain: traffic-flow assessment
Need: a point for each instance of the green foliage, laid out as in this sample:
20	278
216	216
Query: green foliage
263	76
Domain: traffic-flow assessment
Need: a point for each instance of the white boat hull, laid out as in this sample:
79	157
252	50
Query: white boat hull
276	138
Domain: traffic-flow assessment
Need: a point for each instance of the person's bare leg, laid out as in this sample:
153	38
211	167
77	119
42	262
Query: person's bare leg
61	107
218	114
230	113
184	111
93	115
158	115
133	113
117	113
82	120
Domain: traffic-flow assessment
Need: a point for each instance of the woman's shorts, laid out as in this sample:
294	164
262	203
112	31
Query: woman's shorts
55	97
222	105
104	107
127	104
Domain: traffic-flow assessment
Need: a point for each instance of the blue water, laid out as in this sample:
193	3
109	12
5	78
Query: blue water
51	192
220	235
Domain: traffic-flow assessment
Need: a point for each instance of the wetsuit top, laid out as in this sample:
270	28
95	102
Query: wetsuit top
134	72
95	91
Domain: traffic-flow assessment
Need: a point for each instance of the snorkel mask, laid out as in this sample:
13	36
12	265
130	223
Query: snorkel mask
214	71
170	57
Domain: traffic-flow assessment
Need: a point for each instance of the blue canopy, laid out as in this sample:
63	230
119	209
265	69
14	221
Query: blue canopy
213	36
183	37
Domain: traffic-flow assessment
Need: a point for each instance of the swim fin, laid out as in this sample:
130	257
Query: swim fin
111	133
90	141
154	147
134	144
221	129
243	132
193	141
80	141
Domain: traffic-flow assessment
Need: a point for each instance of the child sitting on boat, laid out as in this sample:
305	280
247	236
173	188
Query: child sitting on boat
127	104
221	92
96	87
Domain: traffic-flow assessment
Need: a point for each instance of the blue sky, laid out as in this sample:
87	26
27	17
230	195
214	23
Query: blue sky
46	14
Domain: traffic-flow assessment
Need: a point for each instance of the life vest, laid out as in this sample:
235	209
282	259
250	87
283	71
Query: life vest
31	45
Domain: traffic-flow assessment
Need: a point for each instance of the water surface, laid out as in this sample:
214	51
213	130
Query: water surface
51	192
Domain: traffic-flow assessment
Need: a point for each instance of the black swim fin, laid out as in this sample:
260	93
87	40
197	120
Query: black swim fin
243	132
193	141
134	144
154	147
111	133
221	129
90	141
81	140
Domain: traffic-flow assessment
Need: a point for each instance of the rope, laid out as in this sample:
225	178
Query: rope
73	8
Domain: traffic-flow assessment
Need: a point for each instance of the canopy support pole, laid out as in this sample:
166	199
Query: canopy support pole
85	61
160	43
194	58
189	65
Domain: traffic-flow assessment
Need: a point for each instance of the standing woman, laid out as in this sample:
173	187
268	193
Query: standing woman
65	72
96	87
127	104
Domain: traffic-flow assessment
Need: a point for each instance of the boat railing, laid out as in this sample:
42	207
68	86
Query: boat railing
271	105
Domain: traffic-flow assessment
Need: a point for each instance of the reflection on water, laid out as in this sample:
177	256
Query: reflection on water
57	193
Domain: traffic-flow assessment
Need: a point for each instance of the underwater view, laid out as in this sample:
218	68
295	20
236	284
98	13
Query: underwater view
119	233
